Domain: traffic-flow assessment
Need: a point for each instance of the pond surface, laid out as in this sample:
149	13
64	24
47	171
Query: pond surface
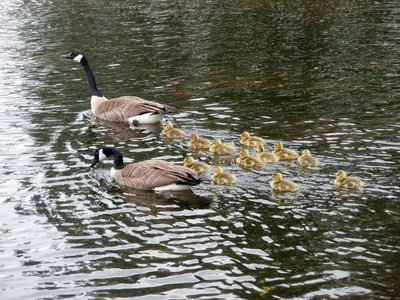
322	75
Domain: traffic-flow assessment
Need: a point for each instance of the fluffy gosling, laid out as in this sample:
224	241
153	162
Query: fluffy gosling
198	166
218	148
347	182
250	141
265	157
197	143
284	153
307	160
282	185
219	177
169	131
247	161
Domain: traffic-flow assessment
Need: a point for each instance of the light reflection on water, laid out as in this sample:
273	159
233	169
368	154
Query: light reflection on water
70	231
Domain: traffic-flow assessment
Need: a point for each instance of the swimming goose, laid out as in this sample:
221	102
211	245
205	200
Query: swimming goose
221	149
250	141
282	185
266	157
169	131
198	143
154	174
247	161
348	182
284	153
219	177
307	160
130	109
198	166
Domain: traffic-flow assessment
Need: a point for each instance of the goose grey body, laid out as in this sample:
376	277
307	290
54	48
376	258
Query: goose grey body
148	174
122	109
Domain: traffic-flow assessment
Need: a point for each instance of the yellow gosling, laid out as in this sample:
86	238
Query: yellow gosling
169	131
282	185
284	153
250	141
307	160
347	182
218	148
265	157
247	161
197	143
197	166
219	177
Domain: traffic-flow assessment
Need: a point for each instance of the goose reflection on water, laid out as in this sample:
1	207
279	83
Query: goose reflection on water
123	131
186	198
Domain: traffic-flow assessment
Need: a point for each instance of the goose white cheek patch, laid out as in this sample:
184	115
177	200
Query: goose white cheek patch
78	58
102	156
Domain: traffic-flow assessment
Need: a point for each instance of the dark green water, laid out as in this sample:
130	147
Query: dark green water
313	74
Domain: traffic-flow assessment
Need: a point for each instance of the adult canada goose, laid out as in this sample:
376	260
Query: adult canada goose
250	141
307	160
169	131
131	109
284	153
154	174
220	177
282	185
198	166
347	182
218	148
265	157
198	143
247	161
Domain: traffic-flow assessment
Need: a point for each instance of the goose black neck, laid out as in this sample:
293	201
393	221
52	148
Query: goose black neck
92	82
118	160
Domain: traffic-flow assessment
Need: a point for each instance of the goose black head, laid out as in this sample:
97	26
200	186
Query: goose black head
75	55
100	155
104	153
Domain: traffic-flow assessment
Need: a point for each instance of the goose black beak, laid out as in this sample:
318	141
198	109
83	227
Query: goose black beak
67	56
94	163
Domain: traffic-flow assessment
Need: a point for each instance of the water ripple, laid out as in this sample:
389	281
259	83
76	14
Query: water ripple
294	75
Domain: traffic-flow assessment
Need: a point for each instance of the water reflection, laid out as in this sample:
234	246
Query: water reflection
315	75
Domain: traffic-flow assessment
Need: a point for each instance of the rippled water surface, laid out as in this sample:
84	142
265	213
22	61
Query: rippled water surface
321	75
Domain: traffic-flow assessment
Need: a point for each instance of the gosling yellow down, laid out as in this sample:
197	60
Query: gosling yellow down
219	177
198	143
218	148
247	161
250	141
284	153
347	182
282	185
265	157
197	166
307	160
169	131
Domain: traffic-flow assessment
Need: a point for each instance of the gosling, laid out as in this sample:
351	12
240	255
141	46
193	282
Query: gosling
198	166
219	177
218	148
284	153
197	143
347	182
250	141
282	185
265	157
169	131
307	160
247	161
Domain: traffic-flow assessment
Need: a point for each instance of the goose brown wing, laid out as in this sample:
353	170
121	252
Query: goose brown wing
122	108
150	174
